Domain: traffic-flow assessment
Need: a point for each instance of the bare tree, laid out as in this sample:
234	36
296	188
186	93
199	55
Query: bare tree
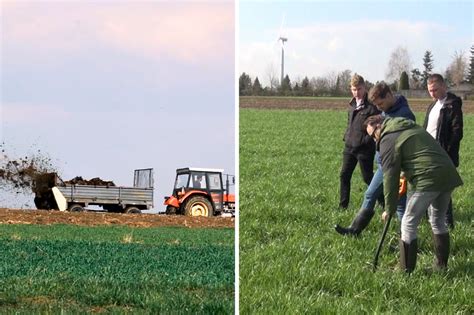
319	85
272	76
331	79
399	61
457	69
344	82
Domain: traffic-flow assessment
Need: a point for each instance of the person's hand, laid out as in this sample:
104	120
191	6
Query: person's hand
402	187
385	216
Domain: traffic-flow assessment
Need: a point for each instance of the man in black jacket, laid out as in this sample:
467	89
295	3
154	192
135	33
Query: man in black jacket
359	146
444	122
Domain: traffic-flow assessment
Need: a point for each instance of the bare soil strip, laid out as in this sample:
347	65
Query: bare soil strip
93	218
308	103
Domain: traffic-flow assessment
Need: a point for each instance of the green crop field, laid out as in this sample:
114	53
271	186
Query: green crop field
71	269
291	259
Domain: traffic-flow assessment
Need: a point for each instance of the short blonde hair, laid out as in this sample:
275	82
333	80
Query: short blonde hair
357	80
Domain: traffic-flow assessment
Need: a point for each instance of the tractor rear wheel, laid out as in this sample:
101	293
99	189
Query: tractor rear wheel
198	207
132	210
75	208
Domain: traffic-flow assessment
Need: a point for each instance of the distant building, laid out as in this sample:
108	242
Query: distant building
463	90
414	93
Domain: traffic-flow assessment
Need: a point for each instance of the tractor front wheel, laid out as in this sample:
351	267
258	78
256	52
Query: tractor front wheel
171	210
198	207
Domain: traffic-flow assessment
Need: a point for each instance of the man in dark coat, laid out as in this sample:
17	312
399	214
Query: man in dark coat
359	147
444	122
392	106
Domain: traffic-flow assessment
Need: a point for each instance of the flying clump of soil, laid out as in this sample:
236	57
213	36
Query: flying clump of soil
19	174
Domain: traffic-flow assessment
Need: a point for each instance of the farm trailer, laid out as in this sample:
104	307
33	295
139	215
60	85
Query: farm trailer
53	193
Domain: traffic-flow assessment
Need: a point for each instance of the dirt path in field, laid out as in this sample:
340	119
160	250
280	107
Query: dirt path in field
92	218
417	105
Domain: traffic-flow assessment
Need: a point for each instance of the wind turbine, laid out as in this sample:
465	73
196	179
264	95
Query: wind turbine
283	40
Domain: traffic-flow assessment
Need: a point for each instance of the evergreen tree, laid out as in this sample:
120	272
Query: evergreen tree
257	87
394	86
403	84
245	84
285	88
428	65
305	87
297	90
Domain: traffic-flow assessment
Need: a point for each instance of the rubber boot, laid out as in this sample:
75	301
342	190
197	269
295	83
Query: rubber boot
449	215
358	225
408	254
441	249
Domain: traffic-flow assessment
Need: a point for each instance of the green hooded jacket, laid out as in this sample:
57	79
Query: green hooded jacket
407	147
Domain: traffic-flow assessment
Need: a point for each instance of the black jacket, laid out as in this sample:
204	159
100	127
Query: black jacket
449	131
356	137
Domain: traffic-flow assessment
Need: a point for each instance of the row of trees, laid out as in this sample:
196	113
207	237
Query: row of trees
399	72
332	84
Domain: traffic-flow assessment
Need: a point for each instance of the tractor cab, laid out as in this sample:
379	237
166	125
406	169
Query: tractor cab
197	192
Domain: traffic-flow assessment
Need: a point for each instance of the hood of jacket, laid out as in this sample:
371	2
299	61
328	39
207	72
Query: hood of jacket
400	109
396	124
451	98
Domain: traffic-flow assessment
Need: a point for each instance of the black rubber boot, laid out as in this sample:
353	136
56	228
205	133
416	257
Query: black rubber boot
441	249
408	254
449	215
358	225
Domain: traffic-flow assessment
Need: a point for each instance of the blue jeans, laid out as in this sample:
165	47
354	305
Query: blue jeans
375	190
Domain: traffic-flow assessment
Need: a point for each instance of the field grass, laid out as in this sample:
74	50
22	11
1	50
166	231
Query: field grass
291	259
72	269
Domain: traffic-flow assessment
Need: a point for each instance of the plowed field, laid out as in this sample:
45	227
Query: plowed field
325	103
92	218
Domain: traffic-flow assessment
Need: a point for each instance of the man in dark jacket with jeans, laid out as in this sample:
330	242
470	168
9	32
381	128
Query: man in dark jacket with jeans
444	122
359	147
392	106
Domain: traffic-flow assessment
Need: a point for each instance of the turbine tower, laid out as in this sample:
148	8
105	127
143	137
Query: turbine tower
283	40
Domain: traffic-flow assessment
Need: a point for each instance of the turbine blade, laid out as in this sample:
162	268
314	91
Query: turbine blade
281	26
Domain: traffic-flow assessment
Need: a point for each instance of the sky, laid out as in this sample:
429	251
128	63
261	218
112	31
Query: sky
106	87
332	36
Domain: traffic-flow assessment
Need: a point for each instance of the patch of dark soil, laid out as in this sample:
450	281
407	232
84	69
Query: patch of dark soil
78	180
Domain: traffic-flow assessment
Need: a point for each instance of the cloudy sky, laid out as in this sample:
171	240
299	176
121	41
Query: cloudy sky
331	36
104	87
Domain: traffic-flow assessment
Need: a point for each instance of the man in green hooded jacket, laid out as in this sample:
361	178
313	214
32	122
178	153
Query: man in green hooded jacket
431	175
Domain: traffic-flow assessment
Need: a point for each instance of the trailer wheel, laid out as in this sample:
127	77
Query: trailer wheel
198	207
41	204
132	210
75	208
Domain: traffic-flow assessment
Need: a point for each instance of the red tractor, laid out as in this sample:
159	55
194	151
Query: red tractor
200	192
